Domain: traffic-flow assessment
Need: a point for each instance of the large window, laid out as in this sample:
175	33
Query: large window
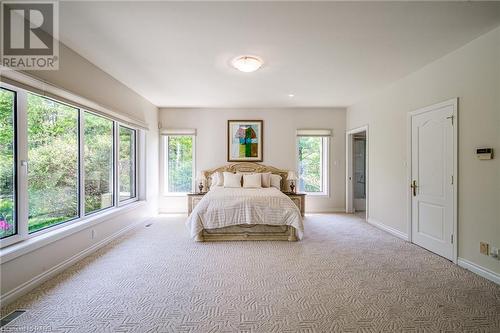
8	221
52	162
71	162
179	163
127	163
98	156
312	153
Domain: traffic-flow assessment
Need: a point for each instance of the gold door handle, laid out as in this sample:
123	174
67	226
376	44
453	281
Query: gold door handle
414	187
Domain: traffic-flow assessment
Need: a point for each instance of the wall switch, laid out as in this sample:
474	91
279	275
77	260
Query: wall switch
484	248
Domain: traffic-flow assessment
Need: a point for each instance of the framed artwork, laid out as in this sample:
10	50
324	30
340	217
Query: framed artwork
244	140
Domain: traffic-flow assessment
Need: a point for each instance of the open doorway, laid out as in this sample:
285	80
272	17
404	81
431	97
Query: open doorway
357	172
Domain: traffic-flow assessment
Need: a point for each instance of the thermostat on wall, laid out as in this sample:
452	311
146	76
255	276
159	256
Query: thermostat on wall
484	153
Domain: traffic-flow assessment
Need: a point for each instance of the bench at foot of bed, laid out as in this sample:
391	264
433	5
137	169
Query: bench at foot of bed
251	232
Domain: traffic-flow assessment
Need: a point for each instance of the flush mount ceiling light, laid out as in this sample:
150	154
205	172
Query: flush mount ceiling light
247	63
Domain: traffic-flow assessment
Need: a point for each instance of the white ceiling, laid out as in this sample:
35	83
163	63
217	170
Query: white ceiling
177	54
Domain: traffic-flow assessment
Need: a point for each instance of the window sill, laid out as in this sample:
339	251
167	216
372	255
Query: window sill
31	244
317	195
183	194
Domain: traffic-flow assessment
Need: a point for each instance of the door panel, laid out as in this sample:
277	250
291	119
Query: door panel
435	213
432	171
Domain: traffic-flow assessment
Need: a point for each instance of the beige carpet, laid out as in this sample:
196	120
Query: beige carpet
345	276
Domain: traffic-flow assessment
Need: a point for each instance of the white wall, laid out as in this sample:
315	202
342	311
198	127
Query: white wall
82	78
279	144
471	73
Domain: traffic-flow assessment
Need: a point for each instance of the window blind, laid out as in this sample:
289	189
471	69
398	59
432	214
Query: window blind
314	132
178	131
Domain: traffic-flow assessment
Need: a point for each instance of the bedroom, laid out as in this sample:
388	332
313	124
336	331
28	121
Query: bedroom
328	70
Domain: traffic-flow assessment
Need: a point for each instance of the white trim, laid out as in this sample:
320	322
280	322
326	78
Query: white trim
135	156
325	165
453	102
388	229
479	270
178	131
314	132
327	211
51	272
349	199
164	169
30	83
61	231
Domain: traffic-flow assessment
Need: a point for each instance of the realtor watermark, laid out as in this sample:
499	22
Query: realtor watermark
30	35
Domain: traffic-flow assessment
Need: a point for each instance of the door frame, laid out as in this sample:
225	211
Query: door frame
349	190
451	102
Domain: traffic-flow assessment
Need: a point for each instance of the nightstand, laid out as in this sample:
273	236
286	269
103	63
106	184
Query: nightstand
299	199
193	199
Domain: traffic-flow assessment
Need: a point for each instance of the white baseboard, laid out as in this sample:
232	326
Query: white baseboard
326	211
479	270
26	287
388	229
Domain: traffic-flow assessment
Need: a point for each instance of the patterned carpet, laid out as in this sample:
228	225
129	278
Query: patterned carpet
345	276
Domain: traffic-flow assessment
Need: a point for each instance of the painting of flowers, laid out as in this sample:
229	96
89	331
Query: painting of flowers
244	142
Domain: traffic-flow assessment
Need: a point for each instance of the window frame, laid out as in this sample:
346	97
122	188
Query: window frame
325	167
17	236
21	159
134	198
82	148
79	164
164	166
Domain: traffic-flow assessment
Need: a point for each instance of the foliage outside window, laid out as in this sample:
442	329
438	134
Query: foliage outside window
98	156
57	146
53	162
127	163
312	164
179	156
8	223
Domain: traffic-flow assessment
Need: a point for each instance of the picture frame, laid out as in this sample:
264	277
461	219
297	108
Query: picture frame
245	140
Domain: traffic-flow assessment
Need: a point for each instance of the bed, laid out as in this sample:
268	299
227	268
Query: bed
225	214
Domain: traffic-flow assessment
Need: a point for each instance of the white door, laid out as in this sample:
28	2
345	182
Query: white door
432	189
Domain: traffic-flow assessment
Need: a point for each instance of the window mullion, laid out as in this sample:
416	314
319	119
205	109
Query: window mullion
193	168
22	163
81	162
167	164
116	164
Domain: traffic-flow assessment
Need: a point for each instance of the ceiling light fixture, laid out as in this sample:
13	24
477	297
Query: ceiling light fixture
247	63
291	95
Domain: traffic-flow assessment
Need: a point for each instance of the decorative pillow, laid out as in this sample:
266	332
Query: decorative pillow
220	178
252	181
232	179
276	181
215	179
266	179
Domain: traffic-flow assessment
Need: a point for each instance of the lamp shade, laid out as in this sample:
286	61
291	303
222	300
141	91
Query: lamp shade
291	175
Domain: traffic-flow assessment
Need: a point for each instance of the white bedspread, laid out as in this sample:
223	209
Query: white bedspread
222	207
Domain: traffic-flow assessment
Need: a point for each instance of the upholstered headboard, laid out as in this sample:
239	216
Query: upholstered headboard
247	167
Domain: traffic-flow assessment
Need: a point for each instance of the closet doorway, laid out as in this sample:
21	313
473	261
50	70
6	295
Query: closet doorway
357	172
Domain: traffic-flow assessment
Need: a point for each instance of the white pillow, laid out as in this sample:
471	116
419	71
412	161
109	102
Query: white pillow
266	179
215	179
232	179
276	181
220	178
252	180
